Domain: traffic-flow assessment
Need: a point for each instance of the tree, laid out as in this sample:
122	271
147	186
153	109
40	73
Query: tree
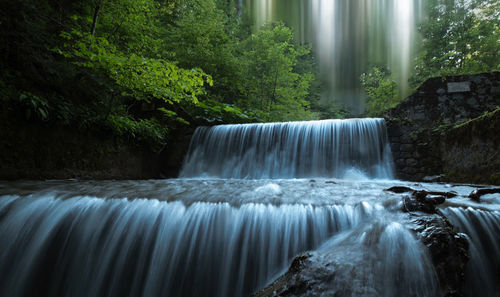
459	37
202	36
382	91
271	82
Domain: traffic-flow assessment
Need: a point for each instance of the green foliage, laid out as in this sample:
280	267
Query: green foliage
148	131
270	81
266	73
204	36
94	65
459	37
382	91
34	105
214	112
139	77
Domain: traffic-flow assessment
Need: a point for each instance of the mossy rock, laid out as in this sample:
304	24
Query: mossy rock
495	178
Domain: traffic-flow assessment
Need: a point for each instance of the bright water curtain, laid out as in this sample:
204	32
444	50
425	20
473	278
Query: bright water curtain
330	148
350	36
482	229
87	246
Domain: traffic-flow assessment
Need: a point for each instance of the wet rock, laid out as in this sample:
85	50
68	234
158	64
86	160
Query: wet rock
330	182
476	194
436	199
432	178
420	195
290	283
363	262
423	200
411	204
449	251
403	189
450	194
399	189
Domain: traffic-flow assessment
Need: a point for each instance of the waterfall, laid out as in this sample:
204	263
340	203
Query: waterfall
86	246
329	148
215	237
382	258
482	229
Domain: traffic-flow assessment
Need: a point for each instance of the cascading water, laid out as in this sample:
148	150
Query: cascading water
232	237
372	260
330	148
482	229
86	246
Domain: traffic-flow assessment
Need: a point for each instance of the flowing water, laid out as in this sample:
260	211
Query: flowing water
216	236
483	231
329	148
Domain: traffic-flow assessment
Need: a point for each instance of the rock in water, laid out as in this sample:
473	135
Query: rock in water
476	194
448	249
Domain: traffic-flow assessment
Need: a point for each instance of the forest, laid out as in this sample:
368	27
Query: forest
234	148
140	69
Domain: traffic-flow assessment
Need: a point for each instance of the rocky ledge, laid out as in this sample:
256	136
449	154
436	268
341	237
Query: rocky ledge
338	269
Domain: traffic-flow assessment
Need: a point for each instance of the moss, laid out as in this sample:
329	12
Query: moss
464	176
400	121
495	178
484	127
493	117
441	128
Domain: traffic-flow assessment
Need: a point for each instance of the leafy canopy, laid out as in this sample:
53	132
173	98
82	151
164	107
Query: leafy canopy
382	91
459	37
270	80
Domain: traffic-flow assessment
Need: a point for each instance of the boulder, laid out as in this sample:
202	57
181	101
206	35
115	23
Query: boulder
448	249
476	194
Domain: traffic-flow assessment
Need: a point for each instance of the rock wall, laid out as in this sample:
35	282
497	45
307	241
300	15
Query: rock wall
417	126
34	150
471	151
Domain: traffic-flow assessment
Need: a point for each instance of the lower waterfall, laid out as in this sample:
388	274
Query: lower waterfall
79	239
86	246
483	231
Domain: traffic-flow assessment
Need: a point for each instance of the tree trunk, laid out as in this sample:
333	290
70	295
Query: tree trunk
96	17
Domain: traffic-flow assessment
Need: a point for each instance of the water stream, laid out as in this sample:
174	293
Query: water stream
234	232
483	231
329	148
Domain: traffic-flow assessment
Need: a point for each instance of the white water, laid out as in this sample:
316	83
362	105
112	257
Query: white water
206	237
330	148
483	232
231	237
381	258
85	246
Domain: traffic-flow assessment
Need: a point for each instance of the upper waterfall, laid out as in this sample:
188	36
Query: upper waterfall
328	148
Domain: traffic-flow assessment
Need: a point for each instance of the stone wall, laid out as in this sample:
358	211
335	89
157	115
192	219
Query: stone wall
471	151
38	151
417	126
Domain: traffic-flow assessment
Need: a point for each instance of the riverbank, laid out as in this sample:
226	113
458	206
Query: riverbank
442	132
